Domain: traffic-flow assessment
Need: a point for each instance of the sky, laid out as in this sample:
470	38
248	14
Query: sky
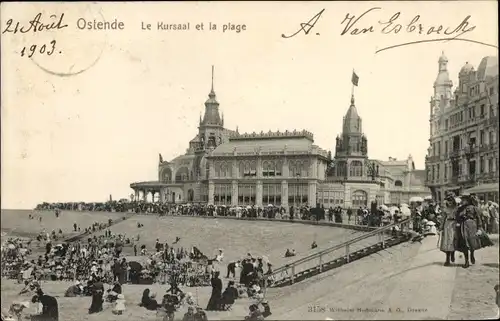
141	92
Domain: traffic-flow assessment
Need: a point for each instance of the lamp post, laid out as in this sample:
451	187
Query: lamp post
297	190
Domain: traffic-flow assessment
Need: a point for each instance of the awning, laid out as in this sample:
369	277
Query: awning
484	188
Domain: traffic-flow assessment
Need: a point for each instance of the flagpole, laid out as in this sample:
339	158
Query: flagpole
352	84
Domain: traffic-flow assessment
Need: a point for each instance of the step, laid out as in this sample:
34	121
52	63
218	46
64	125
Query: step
339	261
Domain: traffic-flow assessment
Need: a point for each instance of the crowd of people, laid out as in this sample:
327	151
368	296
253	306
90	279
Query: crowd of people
465	227
364	215
91	262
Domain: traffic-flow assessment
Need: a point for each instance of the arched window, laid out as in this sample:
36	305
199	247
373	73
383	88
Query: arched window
304	169
359	198
182	174
341	169
295	168
248	169
398	183
271	169
224	170
356	169
265	168
166	175
242	169
253	168
217	166
278	167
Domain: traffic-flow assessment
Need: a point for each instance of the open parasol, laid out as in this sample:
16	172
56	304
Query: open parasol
416	199
384	207
135	266
405	211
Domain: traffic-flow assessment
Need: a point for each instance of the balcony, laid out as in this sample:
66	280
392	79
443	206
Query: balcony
433	159
484	147
471	178
455	153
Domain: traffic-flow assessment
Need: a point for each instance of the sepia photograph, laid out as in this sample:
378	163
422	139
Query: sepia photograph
260	160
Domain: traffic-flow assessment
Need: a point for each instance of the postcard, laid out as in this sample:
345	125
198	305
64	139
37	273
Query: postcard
249	160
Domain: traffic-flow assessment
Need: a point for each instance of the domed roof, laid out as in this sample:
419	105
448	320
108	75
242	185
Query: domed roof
443	58
467	68
443	78
488	67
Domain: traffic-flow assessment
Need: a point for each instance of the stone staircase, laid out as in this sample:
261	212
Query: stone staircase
330	258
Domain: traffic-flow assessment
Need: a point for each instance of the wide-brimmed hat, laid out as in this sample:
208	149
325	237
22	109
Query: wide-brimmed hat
450	196
467	197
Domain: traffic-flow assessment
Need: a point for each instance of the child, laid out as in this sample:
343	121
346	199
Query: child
120	305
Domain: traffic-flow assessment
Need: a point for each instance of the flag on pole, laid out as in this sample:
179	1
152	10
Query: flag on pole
354	79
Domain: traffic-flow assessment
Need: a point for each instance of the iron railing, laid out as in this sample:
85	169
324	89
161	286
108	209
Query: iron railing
319	259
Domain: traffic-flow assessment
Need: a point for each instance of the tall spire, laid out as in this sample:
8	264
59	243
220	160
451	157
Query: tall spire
352	121
212	115
212	92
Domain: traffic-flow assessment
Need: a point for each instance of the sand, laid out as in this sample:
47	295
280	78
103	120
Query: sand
407	276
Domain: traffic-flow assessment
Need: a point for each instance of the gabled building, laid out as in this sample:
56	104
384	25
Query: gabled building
463	143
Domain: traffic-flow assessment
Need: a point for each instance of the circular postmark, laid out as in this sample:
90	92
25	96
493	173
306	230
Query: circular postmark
68	50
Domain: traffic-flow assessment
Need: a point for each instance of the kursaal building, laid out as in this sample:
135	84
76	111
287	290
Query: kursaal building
225	167
463	152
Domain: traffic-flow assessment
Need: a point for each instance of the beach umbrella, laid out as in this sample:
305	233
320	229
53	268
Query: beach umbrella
404	205
428	198
405	211
393	209
135	266
416	199
384	207
270	205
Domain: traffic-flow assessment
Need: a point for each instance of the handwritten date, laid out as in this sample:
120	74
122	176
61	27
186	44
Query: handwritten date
35	25
43	49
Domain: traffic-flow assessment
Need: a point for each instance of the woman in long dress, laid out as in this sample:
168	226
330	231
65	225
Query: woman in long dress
97	299
215	299
468	230
448	226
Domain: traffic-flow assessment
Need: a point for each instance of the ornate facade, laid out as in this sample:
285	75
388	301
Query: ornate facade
463	151
354	180
224	167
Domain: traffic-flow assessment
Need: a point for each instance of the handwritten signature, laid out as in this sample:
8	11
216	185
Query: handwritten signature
35	25
352	26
